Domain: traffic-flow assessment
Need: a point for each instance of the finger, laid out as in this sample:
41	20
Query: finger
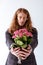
29	47
22	55
11	49
17	51
29	52
23	58
25	50
22	52
16	48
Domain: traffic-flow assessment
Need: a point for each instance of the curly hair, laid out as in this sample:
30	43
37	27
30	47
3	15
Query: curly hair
14	24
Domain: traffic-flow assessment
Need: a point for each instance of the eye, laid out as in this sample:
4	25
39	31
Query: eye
23	17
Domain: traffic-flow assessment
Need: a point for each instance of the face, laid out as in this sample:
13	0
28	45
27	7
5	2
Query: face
22	17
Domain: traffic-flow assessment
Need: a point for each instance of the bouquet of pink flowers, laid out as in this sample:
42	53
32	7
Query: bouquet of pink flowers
22	38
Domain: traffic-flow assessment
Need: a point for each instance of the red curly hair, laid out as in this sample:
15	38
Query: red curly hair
14	24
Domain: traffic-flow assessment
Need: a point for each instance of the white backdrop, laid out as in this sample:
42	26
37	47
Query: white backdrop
7	10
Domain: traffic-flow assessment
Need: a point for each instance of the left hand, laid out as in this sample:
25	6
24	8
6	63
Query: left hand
26	52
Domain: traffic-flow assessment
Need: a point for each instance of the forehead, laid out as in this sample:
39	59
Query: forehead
22	14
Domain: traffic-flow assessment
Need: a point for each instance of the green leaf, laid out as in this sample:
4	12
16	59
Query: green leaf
24	38
13	45
29	40
24	45
17	38
20	43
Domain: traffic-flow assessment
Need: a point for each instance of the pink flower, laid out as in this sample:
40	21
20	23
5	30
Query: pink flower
16	32
29	34
13	36
20	34
22	30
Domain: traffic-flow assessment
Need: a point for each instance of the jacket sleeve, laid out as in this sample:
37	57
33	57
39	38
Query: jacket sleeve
9	39
34	42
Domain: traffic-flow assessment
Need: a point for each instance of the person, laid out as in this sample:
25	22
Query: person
21	20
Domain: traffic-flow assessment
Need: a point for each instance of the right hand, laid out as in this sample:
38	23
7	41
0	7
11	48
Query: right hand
15	51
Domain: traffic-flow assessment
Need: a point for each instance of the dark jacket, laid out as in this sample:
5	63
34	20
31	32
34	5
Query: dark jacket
12	60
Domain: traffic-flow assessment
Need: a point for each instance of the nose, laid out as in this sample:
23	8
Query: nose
22	19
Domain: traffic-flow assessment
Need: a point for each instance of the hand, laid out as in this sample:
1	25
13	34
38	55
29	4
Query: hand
25	53
15	51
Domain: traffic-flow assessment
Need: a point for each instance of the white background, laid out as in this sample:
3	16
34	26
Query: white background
7	10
